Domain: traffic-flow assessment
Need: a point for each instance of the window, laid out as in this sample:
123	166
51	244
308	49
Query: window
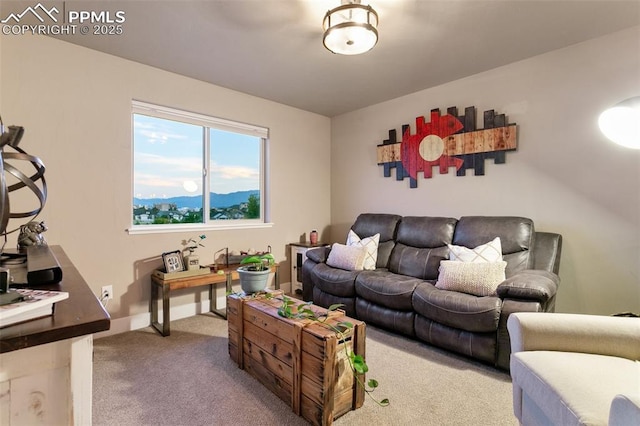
194	171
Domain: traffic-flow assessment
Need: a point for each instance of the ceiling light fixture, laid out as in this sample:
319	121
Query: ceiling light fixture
621	123
350	29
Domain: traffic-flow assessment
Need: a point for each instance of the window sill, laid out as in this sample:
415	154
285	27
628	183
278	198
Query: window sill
165	229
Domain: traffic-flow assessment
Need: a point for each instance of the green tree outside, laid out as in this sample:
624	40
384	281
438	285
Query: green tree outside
253	207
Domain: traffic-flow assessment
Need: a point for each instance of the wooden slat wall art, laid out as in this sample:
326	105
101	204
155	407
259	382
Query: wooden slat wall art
447	141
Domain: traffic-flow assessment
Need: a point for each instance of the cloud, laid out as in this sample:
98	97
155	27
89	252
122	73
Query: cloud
177	164
154	133
235	172
156	181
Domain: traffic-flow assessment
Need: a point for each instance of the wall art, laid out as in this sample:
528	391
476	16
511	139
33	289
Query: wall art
447	141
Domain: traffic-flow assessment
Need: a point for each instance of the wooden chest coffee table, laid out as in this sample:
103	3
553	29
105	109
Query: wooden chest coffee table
301	361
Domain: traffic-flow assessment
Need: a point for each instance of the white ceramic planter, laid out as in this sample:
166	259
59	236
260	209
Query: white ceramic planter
253	281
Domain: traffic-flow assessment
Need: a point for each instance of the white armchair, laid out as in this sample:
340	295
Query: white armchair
572	369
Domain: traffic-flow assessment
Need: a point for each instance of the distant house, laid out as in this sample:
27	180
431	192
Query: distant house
143	218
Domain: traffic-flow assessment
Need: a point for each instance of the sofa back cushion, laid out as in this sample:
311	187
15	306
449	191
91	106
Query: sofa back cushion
369	224
517	237
421	243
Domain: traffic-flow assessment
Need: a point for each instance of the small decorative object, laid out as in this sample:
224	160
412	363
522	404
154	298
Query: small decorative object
10	137
447	141
173	261
254	272
313	237
224	258
192	260
31	235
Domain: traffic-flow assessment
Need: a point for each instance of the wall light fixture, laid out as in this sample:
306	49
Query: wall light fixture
621	123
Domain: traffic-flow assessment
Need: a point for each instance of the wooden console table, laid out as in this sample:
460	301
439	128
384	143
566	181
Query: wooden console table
163	288
49	361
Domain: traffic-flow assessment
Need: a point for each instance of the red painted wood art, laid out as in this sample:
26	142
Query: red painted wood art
447	141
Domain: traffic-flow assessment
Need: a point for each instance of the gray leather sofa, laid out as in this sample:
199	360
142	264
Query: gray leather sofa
400	294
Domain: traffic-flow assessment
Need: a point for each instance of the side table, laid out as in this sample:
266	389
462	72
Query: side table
298	257
163	288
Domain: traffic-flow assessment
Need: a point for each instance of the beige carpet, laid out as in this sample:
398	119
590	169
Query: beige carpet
141	378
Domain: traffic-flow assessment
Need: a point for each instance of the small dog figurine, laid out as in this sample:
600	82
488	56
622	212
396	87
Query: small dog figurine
31	235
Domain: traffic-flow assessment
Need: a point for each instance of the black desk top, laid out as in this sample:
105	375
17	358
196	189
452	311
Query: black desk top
78	315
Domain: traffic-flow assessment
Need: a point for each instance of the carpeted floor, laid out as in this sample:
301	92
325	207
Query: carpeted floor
141	378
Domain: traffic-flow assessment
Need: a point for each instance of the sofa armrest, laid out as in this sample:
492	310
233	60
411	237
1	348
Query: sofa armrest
319	254
530	284
595	334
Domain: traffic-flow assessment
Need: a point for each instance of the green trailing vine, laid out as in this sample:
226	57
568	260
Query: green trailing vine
289	309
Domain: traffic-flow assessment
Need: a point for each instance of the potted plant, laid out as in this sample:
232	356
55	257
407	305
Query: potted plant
254	272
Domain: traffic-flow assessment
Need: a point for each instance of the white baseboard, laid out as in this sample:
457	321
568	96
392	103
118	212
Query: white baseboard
138	321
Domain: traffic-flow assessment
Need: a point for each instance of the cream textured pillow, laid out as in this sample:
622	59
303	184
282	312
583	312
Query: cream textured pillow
480	279
370	244
350	258
489	252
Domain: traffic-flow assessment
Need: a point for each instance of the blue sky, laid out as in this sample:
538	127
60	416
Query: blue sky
168	159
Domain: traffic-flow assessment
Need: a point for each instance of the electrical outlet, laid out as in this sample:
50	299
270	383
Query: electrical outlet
107	292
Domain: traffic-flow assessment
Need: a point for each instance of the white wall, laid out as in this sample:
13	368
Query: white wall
564	175
75	105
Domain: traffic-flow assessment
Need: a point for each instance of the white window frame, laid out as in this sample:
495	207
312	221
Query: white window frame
209	122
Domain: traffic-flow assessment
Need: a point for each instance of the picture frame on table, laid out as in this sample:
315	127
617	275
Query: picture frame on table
173	261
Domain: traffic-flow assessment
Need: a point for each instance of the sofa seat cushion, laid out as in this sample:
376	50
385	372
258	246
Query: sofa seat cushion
480	346
390	319
574	388
458	310
387	289
336	282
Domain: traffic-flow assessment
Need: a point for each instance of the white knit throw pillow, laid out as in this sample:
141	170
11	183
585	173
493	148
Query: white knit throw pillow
349	258
480	279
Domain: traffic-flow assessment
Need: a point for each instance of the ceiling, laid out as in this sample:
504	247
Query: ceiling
273	48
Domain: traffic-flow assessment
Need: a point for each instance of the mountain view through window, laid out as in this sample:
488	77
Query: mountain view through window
187	172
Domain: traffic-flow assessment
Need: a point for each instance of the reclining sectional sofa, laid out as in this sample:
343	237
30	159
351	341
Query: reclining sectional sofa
405	291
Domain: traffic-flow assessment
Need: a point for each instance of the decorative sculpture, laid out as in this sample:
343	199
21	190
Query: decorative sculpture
10	138
31	235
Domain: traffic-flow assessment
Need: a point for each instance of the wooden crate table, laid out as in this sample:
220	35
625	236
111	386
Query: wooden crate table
301	361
